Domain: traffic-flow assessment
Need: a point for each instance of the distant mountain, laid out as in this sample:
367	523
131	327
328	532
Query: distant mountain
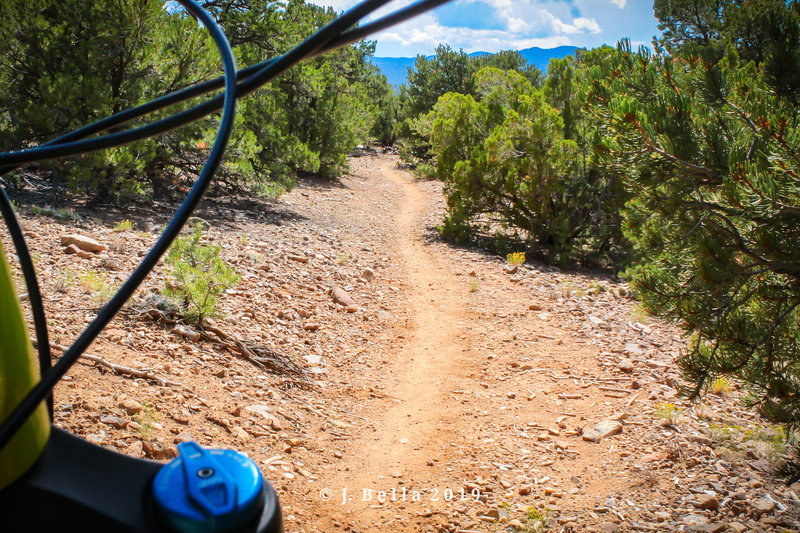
396	68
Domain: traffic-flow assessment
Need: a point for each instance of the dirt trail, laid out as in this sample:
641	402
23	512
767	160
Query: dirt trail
432	355
420	419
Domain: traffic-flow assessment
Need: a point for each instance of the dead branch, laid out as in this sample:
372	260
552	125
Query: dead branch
120	369
261	356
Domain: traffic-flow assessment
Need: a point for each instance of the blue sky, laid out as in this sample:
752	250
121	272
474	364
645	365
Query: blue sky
493	25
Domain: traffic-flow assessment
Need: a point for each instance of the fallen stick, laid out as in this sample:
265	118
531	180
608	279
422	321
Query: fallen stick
614	389
120	369
628	404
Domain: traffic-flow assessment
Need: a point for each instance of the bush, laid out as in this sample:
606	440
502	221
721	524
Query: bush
503	156
198	275
68	63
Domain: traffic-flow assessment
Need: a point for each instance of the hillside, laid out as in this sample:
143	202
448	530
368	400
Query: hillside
485	398
396	68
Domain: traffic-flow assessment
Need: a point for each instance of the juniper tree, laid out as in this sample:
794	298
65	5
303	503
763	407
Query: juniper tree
709	144
502	155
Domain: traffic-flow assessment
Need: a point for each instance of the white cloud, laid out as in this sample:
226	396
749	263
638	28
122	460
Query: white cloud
517	25
579	25
582	25
425	36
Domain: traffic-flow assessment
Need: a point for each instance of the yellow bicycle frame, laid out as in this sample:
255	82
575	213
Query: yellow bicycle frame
18	375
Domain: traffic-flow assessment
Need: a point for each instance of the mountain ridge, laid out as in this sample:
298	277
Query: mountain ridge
396	68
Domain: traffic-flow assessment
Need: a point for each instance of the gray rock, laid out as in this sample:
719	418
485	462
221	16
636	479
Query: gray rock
633	349
261	409
601	430
695	520
312	359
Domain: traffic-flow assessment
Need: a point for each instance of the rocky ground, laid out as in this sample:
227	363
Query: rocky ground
442	389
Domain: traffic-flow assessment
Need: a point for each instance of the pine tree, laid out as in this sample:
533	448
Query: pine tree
709	144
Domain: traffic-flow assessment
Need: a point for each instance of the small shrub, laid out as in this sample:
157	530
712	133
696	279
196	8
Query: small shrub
768	442
638	314
720	386
123	225
596	288
46	211
98	285
516	259
67	213
536	520
343	258
64	281
668	412
474	286
147	418
199	276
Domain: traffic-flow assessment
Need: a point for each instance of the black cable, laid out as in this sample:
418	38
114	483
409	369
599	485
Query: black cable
32	286
330	37
31	401
68	145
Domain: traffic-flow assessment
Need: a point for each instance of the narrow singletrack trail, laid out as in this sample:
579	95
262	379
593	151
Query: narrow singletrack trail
419	420
483	391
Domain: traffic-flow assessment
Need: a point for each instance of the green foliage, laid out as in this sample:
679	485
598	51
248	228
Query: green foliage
198	275
535	520
96	283
447	71
64	64
123	225
147	419
709	143
667	412
64	280
66	213
503	156
509	60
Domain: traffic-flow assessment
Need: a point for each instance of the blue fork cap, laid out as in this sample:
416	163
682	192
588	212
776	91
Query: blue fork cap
208	490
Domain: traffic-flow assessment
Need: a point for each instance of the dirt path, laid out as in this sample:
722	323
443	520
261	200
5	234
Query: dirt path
420	419
432	357
453	409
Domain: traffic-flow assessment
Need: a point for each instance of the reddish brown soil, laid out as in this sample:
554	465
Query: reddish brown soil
455	387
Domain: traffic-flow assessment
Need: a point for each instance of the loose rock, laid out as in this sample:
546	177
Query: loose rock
601	430
82	242
341	297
